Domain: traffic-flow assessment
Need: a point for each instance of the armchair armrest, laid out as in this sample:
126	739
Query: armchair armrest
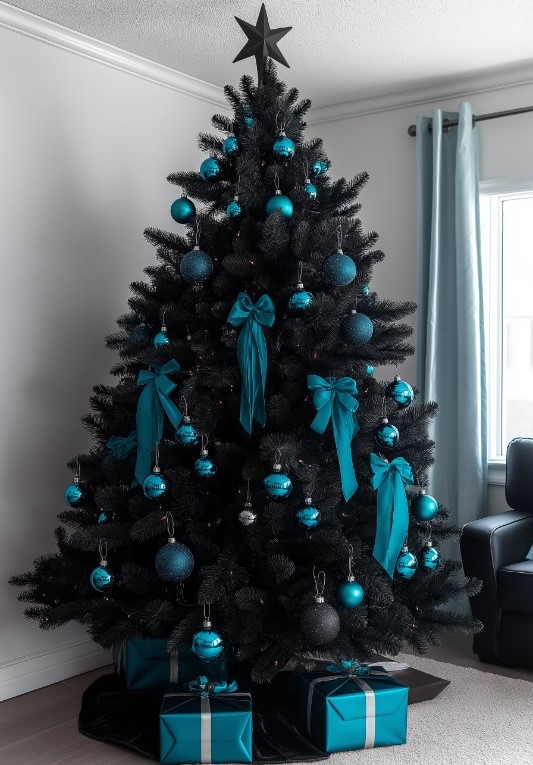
486	546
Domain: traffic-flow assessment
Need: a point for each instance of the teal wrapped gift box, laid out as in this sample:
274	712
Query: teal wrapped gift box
205	728
146	665
343	712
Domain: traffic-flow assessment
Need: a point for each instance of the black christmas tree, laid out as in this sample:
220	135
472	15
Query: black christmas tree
247	462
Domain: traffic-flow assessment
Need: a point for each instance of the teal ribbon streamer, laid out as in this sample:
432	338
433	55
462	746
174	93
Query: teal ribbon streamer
206	687
335	400
252	354
392	524
121	446
153	403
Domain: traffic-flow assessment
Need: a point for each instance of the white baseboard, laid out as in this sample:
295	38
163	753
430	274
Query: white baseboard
27	673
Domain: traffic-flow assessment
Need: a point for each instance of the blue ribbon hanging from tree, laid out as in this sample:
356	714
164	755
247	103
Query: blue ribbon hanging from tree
153	402
392	524
252	354
335	400
121	446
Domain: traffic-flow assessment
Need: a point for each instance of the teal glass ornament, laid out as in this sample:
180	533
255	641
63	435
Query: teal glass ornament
75	493
101	578
339	269
283	147
387	434
428	557
154	485
400	392
210	169
365	290
161	339
358	328
196	266
204	467
186	434
424	507
277	485
280	202
233	210
319	167
105	517
174	562
308	516
369	369
183	210
407	564
301	300
350	594
310	189
207	644
248	121
230	147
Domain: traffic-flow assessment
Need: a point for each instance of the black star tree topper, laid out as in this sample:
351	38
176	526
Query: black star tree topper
262	42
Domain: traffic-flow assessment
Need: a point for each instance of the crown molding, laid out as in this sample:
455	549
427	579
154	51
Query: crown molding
441	90
30	25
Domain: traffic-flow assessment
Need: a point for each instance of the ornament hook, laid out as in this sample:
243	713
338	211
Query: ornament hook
300	271
102	550
350	560
156	456
248	492
320	582
170	524
339	236
185	407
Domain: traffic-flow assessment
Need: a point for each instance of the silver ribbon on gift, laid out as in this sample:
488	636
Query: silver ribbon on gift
352	670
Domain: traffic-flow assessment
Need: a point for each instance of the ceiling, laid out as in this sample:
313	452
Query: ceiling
338	50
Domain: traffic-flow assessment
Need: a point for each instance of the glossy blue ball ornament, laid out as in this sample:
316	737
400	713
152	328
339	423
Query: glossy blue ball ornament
183	210
233	210
428	558
277	485
400	392
186	434
283	147
210	169
249	121
196	267
230	147
407	564
310	190
424	507
207	644
174	562
387	434
350	594
105	517
75	494
101	578
154	485
369	369
300	301
319	167
358	328
161	339
280	202
365	290
339	269
308	516
205	467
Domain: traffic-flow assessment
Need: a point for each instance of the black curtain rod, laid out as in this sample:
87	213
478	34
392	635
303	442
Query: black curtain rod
477	118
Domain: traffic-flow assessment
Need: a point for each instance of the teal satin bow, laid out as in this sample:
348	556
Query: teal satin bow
392	524
252	354
153	402
335	400
206	687
121	446
353	668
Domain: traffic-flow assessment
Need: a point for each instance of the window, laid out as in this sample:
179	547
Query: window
507	247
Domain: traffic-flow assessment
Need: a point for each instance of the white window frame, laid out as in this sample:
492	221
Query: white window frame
501	189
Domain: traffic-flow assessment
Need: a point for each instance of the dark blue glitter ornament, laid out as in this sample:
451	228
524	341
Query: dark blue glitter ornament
358	328
280	202
183	210
407	564
196	266
210	169
400	392
230	147
283	147
174	562
424	507
428	557
339	269
387	434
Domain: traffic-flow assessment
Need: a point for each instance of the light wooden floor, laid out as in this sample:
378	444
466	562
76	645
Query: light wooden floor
41	728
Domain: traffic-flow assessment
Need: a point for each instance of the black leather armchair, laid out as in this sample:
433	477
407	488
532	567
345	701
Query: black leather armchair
494	550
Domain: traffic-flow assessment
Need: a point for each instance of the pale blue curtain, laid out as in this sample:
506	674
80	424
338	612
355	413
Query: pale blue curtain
451	347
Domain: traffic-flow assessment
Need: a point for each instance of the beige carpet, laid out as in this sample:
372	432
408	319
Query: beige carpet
479	719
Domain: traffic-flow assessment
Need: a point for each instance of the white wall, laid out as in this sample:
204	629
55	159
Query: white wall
379	144
84	153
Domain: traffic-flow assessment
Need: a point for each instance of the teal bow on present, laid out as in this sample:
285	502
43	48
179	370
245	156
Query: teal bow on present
121	446
206	687
352	668
153	402
392	524
252	354
335	400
